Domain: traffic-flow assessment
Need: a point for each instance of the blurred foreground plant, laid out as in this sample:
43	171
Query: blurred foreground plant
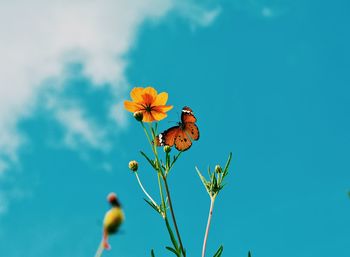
111	223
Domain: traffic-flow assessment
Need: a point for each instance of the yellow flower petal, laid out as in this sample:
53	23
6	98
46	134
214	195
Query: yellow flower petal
136	94
147	117
163	108
131	106
149	95
151	91
147	99
161	99
159	115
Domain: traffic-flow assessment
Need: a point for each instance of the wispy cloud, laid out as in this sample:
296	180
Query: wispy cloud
79	127
261	8
39	37
196	14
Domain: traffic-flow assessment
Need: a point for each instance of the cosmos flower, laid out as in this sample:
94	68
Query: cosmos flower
149	103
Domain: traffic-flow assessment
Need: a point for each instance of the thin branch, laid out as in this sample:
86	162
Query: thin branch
164	211
99	250
212	200
144	190
173	216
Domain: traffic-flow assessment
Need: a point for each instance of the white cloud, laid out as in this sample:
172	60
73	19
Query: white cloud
80	129
38	37
198	16
6	196
261	8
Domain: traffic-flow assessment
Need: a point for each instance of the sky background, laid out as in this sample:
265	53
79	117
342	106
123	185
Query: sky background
267	80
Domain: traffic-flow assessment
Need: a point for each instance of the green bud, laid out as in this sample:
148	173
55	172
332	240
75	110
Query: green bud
167	149
218	169
138	115
133	166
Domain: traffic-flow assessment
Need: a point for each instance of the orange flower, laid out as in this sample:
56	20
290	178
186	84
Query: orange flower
149	102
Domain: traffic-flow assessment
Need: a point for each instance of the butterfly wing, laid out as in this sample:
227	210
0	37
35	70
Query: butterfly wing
187	115
192	131
182	141
168	136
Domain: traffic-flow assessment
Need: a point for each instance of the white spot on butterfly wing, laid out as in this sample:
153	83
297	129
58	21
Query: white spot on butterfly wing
161	139
187	110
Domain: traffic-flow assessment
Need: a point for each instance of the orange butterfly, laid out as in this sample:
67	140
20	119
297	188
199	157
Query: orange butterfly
181	135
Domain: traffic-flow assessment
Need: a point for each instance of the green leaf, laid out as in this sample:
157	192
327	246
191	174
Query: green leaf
172	250
148	159
171	234
175	159
227	165
214	181
167	160
155	207
249	254
209	172
152	253
204	181
219	252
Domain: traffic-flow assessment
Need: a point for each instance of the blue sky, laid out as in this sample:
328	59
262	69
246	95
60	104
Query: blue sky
267	80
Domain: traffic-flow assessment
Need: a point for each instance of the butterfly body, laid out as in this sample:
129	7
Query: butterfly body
181	135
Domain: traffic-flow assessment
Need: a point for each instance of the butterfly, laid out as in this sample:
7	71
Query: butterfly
181	135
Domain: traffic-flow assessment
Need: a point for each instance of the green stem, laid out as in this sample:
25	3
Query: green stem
172	164
171	234
144	190
154	149
99	250
212	201
161	175
146	132
158	166
173	216
162	196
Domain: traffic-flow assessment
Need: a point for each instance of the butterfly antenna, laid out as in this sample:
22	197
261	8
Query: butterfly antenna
172	121
178	116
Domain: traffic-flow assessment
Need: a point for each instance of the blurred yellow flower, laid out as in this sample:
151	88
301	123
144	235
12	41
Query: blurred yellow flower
149	102
112	220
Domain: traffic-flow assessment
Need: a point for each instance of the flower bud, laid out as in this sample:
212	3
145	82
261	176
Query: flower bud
138	115
112	197
133	166
167	149
218	169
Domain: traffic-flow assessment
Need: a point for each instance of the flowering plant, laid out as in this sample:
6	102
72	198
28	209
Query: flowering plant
149	107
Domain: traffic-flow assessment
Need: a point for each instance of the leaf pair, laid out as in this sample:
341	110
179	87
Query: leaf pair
215	183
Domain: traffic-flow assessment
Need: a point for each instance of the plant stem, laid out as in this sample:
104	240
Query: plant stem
144	190
99	250
173	216
164	212
212	200
145	130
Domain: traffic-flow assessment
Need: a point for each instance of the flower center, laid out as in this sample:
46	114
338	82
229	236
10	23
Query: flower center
148	108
